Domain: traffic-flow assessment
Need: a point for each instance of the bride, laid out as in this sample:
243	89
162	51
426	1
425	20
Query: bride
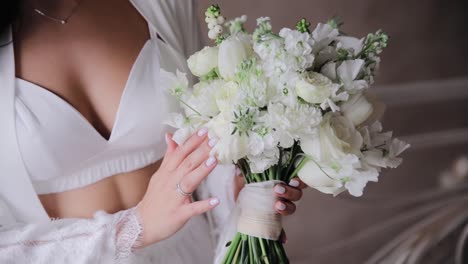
83	142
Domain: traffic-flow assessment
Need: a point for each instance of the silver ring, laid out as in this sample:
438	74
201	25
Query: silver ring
181	192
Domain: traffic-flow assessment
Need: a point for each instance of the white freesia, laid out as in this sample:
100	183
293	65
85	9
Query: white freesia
323	35
204	61
186	126
352	44
357	109
348	72
315	88
174	84
232	52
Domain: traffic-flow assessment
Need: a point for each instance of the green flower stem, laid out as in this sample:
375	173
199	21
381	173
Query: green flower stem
264	253
193	109
302	163
232	248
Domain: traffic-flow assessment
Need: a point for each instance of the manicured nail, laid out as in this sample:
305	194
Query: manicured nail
202	132
294	183
238	172
280	206
212	142
210	161
214	201
166	136
279	189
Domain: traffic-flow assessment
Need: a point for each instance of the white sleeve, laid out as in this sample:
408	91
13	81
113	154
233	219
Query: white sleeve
105	238
189	23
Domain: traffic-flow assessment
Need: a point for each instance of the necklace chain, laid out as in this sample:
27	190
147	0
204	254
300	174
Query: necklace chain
58	20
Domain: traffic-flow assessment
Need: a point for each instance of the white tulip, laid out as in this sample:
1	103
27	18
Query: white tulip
312	175
357	109
232	52
204	61
315	89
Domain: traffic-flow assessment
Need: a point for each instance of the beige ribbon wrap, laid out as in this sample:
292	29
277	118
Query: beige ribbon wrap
258	216
254	215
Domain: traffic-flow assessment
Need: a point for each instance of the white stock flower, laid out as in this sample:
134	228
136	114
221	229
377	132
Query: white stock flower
203	98
228	96
357	109
315	88
174	84
299	45
232	52
263	152
204	61
292	123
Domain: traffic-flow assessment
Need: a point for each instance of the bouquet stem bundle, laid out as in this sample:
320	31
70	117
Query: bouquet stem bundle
250	249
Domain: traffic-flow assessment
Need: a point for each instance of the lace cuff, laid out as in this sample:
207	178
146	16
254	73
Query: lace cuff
129	233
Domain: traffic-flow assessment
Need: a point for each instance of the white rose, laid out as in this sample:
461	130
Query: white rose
337	136
357	109
315	89
204	61
232	52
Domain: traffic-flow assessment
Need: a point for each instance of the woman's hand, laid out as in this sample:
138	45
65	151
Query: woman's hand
165	209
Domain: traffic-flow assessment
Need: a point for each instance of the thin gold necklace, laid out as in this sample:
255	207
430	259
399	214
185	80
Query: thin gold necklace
58	20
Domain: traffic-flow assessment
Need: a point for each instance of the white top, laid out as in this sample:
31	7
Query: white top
62	151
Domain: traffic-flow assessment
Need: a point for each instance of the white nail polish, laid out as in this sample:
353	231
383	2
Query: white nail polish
214	201
294	183
238	172
167	138
280	189
280	206
212	142
210	161
202	132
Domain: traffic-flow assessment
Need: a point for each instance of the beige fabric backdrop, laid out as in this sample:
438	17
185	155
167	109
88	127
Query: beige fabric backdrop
429	41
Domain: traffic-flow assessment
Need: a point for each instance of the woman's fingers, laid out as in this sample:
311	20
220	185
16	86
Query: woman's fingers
197	157
191	181
198	208
288	192
297	183
284	207
182	151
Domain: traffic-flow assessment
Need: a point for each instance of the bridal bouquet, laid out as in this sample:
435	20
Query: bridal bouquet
287	104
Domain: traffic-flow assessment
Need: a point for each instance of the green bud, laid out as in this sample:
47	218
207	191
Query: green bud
303	26
213	10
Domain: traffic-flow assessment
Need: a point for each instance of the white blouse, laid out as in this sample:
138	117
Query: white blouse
39	129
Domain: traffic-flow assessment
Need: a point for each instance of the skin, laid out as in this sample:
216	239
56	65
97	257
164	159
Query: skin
88	62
